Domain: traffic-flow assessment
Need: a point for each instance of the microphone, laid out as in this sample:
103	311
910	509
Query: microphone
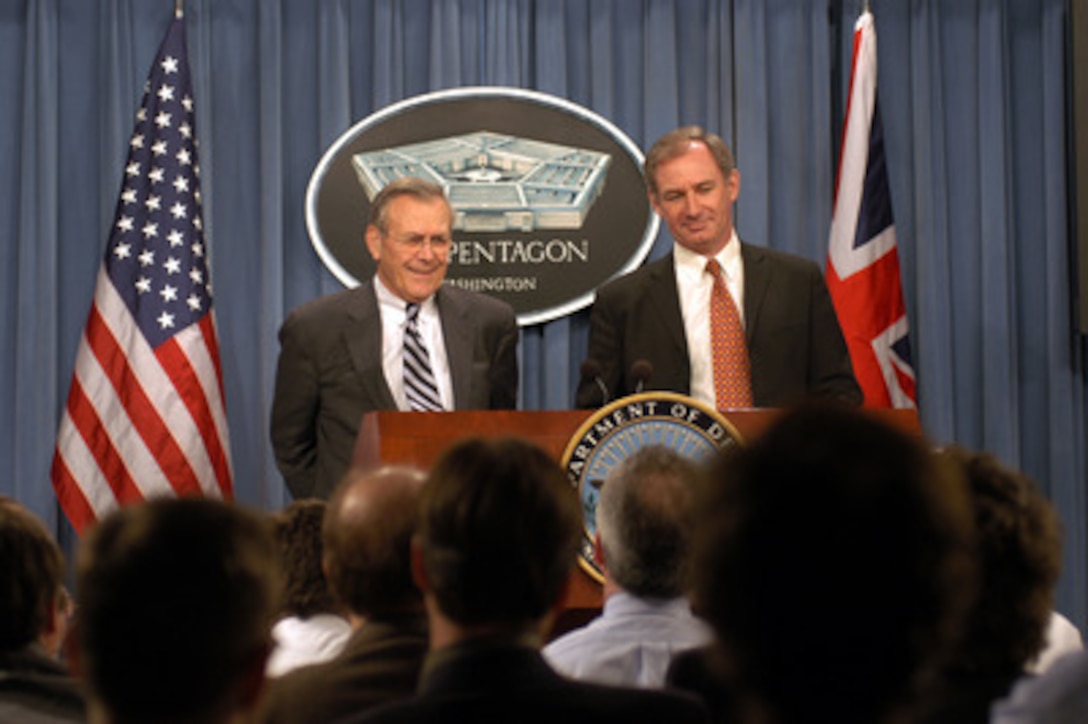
641	372
591	372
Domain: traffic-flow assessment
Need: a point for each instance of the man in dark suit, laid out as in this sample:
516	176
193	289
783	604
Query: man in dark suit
367	536
660	314
498	535
344	354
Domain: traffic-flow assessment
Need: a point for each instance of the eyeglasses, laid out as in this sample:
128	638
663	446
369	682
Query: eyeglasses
438	244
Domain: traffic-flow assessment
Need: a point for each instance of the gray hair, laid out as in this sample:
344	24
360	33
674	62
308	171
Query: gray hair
644	518
418	188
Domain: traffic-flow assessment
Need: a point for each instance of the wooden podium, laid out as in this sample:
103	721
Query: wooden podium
418	438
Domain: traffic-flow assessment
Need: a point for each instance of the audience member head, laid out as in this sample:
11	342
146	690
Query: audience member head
32	595
1019	552
498	534
644	520
298	538
54	638
833	560
368	532
177	600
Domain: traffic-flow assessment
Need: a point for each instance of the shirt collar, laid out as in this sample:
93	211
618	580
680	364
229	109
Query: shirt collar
690	262
388	299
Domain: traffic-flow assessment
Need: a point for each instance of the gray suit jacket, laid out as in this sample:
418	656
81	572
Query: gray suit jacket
794	340
330	374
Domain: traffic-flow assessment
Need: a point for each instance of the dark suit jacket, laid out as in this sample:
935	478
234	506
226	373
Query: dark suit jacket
35	688
794	340
379	664
330	374
501	684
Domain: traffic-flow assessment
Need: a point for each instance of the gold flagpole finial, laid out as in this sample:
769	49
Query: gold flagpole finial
179	8
865	7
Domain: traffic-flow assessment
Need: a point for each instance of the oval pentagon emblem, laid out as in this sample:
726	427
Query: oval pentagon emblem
548	197
618	429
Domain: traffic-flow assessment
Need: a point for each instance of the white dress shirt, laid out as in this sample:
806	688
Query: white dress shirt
632	643
694	286
1062	638
301	642
394	319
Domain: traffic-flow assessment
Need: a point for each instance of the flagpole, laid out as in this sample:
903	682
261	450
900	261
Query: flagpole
864	6
179	8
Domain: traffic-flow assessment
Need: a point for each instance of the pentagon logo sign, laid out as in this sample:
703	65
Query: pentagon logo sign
618	429
548	197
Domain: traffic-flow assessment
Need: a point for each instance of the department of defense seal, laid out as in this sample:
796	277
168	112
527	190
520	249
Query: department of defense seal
618	429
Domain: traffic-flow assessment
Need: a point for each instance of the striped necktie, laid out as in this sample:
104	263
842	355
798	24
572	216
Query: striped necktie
419	385
732	374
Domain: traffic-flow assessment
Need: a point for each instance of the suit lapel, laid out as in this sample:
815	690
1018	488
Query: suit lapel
666	299
757	280
458	333
363	337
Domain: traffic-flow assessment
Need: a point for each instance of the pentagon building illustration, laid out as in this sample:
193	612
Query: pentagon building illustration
496	182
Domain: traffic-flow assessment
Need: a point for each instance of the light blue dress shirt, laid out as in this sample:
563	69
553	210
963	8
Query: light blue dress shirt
632	643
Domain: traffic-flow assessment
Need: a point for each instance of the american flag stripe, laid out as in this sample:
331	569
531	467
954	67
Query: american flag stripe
144	394
145	414
70	496
97	452
124	431
200	395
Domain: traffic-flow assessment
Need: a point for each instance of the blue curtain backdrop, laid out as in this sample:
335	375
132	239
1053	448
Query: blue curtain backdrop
974	102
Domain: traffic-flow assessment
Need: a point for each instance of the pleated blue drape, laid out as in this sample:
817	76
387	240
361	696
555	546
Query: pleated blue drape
973	94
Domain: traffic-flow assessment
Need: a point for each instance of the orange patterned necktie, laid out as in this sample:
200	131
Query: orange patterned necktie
732	375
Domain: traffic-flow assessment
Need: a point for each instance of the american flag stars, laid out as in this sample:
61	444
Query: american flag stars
158	242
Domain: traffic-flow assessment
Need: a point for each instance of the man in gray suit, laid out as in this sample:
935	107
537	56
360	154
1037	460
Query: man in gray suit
651	328
344	354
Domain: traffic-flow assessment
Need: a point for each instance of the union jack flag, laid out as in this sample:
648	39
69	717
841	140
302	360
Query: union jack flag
863	262
145	415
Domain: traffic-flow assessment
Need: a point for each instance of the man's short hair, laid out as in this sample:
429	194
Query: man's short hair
675	143
298	537
368	547
177	600
1019	548
417	188
499	529
644	518
834	563
31	576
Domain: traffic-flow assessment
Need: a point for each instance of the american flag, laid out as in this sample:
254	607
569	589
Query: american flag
145	415
863	262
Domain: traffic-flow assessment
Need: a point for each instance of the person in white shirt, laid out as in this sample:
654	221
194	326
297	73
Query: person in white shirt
312	629
644	521
1062	638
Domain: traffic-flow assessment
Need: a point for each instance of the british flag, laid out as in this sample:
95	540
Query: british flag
863	261
145	415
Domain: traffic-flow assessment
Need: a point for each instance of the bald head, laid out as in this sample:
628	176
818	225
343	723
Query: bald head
367	536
